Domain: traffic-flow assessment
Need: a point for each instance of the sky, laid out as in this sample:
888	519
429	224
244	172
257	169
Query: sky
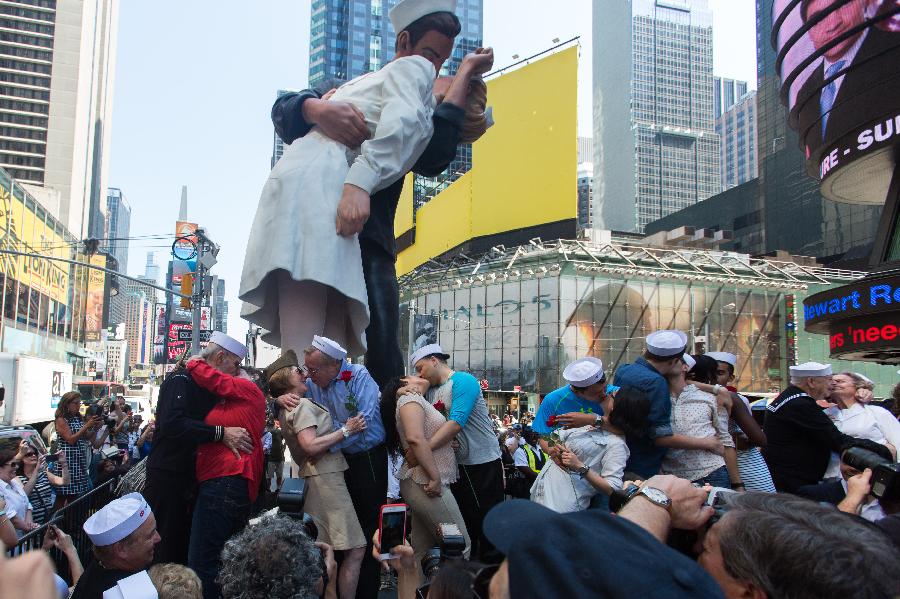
195	82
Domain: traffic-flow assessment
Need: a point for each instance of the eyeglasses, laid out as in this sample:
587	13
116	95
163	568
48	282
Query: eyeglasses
312	371
303	370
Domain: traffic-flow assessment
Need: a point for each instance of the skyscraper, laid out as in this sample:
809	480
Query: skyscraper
726	93
219	305
655	146
118	226
352	37
737	137
55	104
277	144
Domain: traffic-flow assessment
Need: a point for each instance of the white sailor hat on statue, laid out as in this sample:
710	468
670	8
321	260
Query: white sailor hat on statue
810	369
666	343
328	347
584	372
229	344
723	356
691	362
117	519
407	12
432	349
136	586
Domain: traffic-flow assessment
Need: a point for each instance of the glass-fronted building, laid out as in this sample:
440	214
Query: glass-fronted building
43	301
516	317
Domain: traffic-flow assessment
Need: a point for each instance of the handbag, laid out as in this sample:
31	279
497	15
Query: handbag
134	480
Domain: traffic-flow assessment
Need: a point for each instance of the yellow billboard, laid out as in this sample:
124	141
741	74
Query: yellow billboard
523	169
22	231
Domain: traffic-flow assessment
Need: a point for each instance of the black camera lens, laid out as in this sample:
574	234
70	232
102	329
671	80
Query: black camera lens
431	562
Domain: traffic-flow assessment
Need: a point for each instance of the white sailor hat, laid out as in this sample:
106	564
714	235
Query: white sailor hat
330	348
666	343
691	362
427	350
136	586
407	12
117	519
583	372
723	356
228	344
810	369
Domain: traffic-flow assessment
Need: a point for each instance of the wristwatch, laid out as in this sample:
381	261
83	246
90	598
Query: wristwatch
598	421
582	472
655	496
345	432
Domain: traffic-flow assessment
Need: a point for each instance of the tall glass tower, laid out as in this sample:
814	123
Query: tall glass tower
352	37
656	150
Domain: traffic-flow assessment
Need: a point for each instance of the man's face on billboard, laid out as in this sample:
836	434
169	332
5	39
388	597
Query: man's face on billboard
838	22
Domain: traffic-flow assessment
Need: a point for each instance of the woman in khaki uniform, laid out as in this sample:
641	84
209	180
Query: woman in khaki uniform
309	434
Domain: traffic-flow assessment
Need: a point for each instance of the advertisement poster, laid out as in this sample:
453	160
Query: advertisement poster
185	245
93	311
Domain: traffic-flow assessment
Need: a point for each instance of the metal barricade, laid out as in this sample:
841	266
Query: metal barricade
70	519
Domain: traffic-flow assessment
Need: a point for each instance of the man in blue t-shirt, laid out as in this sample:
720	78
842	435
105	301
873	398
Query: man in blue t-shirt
578	403
480	484
648	374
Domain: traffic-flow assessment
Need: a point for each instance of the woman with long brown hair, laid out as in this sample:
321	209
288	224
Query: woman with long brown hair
75	437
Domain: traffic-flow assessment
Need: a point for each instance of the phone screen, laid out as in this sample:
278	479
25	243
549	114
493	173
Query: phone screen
392	525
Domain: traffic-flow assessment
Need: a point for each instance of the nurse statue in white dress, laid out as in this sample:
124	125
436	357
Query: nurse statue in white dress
301	277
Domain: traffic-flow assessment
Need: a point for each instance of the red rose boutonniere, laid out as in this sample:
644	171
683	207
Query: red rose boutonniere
350	403
440	407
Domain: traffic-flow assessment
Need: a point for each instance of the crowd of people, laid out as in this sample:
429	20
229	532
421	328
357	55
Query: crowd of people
720	505
658	483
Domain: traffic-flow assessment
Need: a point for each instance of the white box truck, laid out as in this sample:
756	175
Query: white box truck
33	386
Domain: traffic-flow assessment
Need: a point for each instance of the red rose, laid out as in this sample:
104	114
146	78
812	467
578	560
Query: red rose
439	406
551	421
346	375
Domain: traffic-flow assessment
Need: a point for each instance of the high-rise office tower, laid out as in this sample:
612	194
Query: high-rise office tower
737	137
655	146
277	144
219	305
56	80
726	93
352	37
118	226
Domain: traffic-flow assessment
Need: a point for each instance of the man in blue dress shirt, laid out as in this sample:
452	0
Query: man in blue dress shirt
648	374
332	381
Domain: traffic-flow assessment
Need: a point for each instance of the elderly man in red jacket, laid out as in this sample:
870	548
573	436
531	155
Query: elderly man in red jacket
228	480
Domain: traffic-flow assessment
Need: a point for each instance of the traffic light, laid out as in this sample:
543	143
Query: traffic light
187	288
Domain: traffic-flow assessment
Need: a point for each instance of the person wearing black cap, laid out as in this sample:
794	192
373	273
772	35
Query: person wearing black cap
562	555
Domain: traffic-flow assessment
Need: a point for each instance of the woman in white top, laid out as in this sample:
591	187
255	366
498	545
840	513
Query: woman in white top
860	420
18	508
698	414
410	422
593	458
302	271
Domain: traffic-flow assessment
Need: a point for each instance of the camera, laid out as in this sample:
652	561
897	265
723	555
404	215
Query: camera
885	475
290	502
95	409
451	544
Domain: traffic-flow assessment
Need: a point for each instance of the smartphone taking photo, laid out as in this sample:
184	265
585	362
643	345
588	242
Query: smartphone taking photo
392	528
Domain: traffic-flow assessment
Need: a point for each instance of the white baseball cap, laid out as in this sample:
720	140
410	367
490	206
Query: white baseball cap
584	372
810	369
117	519
330	348
406	12
666	343
723	356
427	350
229	344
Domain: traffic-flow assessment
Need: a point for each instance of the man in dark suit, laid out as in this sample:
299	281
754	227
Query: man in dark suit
830	103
